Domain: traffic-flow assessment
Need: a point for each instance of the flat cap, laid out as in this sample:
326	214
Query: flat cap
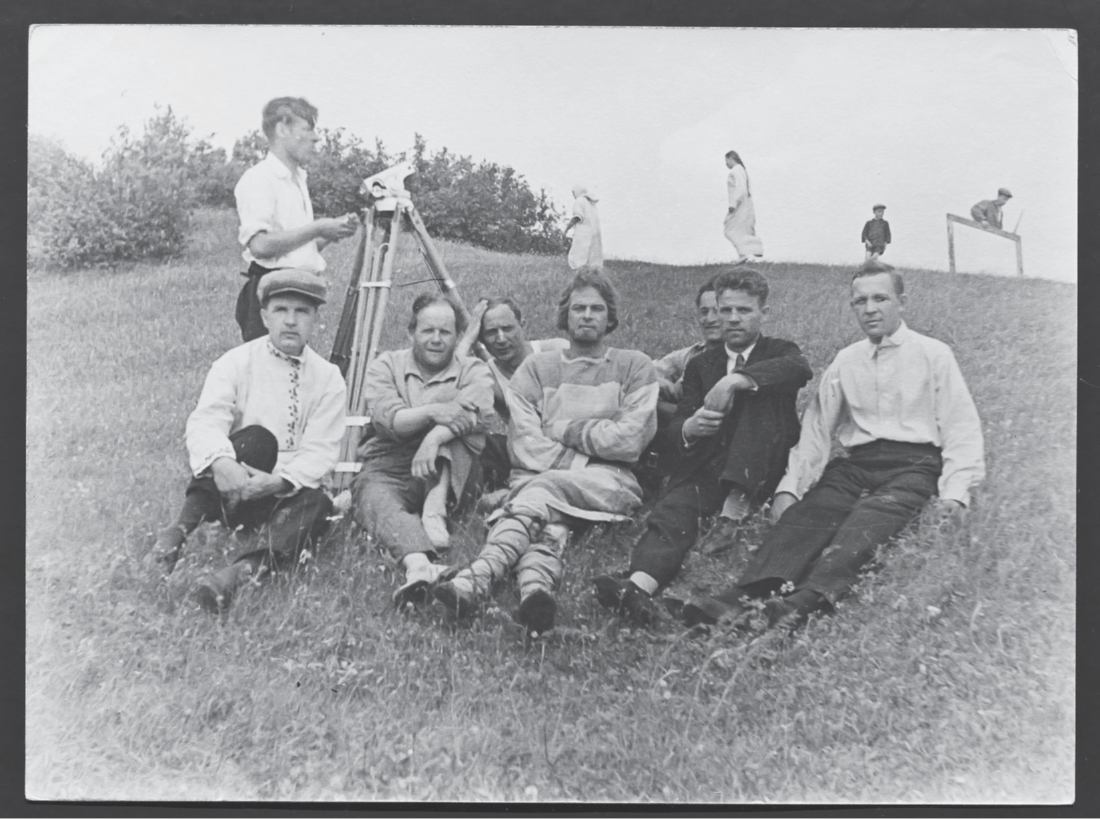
292	280
1004	192
879	207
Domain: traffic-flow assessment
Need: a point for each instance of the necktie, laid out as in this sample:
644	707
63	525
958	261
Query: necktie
738	363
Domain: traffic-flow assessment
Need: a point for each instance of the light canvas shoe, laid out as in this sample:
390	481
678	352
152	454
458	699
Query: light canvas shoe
417	583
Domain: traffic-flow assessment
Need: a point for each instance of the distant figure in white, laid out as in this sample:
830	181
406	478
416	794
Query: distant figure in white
740	224
587	248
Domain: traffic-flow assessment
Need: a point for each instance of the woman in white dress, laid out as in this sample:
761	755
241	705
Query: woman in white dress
587	248
740	224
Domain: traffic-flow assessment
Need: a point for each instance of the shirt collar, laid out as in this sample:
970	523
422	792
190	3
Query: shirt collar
744	353
453	370
896	340
281	170
275	351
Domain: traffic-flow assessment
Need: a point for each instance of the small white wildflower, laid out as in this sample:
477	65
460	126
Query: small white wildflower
304	557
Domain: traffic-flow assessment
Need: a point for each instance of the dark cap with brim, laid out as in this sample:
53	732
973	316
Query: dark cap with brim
1004	192
292	281
879	207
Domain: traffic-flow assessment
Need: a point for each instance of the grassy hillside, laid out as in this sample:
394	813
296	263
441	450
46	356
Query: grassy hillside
948	677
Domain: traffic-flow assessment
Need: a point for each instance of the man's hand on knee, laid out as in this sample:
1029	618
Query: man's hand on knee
230	477
944	511
782	502
260	484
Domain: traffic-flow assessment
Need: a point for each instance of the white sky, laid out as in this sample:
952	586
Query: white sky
828	122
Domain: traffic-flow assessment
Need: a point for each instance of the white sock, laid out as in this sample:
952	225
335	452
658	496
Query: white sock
736	507
644	582
414	561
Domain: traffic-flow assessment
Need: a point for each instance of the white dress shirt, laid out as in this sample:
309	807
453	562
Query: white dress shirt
731	363
907	388
271	198
300	399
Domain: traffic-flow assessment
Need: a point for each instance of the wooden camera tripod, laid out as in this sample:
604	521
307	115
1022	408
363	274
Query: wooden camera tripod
360	329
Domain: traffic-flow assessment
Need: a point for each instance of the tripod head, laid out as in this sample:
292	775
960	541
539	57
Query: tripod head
388	186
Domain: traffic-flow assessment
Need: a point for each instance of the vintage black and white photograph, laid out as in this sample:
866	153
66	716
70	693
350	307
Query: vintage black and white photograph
549	414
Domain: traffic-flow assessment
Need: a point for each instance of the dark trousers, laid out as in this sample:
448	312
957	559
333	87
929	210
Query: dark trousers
673	525
496	464
248	304
291	521
861	502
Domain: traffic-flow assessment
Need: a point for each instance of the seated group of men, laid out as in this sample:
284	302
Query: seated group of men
559	427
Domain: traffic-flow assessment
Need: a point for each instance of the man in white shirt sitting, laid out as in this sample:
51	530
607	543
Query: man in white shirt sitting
266	430
277	225
898	403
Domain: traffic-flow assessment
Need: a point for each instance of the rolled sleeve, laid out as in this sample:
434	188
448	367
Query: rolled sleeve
810	455
475	385
963	448
255	206
384	396
209	426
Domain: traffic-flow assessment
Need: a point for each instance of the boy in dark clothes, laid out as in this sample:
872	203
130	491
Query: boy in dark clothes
876	235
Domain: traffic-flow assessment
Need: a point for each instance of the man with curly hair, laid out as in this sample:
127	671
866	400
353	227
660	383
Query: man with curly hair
580	418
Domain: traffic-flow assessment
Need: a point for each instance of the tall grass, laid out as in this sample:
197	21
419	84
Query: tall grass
948	676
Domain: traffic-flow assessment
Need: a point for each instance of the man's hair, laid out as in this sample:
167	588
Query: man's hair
895	277
590	277
505	301
282	109
705	287
427	300
736	157
746	280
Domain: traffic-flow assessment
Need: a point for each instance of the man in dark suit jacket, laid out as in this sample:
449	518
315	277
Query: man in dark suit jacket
733	428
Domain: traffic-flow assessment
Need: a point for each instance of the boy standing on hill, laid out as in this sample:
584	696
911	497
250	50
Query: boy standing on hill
266	430
277	225
899	405
876	235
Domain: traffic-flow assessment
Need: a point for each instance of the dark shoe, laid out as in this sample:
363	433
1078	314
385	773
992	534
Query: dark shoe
723	536
167	550
792	612
458	604
625	598
536	612
709	611
215	593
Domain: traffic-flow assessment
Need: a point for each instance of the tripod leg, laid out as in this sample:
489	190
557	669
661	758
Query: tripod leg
341	346
434	260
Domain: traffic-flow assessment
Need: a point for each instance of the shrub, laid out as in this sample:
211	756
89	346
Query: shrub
137	206
484	204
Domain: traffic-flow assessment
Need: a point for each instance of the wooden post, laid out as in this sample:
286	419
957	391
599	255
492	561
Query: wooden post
952	219
950	244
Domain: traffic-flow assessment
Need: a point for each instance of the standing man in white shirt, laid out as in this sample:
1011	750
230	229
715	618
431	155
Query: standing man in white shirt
266	430
898	403
277	225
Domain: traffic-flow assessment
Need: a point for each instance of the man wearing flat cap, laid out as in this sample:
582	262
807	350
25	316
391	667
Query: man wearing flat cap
988	212
266	430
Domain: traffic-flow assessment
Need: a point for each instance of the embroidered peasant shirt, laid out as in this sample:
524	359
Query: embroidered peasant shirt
298	399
